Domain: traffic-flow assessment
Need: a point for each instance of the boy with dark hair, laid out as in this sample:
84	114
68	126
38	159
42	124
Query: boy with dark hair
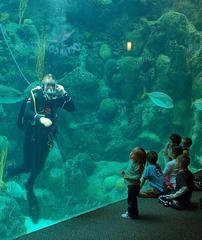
154	175
184	187
174	140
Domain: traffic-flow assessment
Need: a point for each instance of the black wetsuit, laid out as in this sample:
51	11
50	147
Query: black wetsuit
37	138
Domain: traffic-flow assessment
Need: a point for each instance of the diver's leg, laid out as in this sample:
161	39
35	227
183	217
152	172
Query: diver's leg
37	166
33	206
40	156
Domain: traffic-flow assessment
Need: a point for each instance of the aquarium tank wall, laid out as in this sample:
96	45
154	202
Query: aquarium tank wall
134	71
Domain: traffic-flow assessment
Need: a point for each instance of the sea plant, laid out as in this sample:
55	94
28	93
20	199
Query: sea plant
3	157
22	9
41	55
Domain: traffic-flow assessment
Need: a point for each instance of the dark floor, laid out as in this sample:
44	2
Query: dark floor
156	223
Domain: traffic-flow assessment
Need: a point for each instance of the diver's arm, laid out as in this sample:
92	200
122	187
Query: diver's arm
35	117
66	102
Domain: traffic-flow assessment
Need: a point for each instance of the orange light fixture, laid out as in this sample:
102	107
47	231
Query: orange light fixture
129	46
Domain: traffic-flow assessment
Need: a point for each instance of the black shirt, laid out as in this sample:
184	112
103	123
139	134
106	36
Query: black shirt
184	179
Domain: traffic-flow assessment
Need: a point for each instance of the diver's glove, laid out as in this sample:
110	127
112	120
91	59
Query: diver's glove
60	90
45	121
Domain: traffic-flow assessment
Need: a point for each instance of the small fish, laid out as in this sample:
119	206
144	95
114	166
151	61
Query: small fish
160	99
198	104
10	95
15	190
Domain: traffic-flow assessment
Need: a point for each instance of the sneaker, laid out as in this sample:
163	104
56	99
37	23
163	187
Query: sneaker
125	215
164	200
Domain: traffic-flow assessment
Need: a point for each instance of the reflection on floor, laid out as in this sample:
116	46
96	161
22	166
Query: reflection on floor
30	226
156	222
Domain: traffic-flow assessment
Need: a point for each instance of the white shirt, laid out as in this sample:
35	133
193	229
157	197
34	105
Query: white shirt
171	169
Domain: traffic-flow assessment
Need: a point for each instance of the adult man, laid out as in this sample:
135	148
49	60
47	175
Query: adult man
39	131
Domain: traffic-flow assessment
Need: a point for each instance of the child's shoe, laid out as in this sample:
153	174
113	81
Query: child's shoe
163	199
125	215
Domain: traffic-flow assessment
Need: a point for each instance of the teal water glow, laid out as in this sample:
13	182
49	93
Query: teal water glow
86	49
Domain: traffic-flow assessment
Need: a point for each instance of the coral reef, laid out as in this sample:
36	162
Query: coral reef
126	78
105	51
12	221
83	86
107	109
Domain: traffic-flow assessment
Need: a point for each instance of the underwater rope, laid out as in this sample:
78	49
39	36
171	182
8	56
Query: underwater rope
13	57
4	37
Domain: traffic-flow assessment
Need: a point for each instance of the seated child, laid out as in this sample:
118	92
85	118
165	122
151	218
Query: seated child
154	175
132	177
186	144
174	140
172	167
184	187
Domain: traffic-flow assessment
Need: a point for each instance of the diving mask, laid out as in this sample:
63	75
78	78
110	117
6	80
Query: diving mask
49	88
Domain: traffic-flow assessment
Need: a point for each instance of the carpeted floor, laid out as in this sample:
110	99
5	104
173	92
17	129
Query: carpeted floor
156	223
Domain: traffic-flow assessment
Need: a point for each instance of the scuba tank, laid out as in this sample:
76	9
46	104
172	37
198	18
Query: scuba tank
21	119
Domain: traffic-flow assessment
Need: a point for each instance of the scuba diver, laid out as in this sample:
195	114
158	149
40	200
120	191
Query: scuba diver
39	124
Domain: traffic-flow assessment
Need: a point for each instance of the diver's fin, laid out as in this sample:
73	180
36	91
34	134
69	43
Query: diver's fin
33	205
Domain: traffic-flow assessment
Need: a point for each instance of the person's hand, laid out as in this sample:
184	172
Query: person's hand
60	89
45	121
165	152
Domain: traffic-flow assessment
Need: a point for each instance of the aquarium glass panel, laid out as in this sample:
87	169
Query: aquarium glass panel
119	74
